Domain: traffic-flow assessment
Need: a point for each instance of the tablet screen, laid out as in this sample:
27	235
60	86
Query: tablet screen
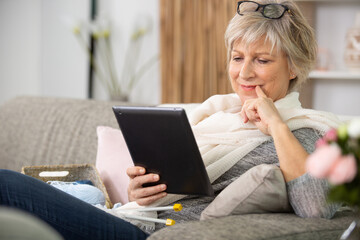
161	140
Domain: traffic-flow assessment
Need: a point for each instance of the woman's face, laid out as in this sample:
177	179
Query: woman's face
257	65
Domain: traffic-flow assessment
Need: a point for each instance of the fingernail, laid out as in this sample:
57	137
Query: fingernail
156	177
163	186
142	170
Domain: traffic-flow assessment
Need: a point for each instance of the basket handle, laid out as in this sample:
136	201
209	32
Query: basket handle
54	173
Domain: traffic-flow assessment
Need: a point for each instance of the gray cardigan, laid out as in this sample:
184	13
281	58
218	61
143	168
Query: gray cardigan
307	195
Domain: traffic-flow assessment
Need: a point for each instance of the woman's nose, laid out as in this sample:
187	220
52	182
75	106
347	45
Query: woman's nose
247	71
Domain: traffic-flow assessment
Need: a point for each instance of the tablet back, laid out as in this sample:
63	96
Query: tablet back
162	141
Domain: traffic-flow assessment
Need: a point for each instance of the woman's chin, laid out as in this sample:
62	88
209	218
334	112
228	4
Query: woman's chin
244	97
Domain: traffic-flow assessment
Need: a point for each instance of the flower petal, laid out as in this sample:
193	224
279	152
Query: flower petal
344	171
331	135
322	160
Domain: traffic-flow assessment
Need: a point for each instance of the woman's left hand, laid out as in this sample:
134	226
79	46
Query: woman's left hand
261	111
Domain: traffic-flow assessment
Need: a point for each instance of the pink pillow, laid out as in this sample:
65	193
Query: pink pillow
112	160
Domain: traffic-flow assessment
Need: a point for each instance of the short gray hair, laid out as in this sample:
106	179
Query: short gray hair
292	34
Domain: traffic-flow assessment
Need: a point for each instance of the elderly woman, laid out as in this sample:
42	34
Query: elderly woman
271	49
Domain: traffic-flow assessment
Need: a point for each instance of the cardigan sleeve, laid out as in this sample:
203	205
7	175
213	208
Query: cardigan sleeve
307	195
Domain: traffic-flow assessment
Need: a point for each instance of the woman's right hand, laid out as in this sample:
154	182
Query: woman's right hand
144	195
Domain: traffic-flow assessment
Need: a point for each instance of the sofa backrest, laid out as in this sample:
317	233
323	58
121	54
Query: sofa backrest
52	131
49	131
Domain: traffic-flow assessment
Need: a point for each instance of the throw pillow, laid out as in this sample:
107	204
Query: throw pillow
112	160
261	189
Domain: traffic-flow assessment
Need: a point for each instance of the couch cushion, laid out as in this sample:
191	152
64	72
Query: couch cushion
259	226
260	189
112	160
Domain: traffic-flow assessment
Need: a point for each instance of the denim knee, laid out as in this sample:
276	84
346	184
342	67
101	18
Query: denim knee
10	180
8	175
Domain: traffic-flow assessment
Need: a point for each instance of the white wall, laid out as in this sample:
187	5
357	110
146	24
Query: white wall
339	96
20	44
124	15
64	64
41	56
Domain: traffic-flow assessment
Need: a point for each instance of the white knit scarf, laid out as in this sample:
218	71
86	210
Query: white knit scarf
223	138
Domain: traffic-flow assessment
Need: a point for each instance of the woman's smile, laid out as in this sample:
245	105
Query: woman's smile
248	87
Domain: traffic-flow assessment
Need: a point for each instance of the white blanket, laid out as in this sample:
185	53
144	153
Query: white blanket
223	138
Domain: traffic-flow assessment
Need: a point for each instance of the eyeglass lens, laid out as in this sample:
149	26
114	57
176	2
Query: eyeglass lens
246	7
269	11
273	11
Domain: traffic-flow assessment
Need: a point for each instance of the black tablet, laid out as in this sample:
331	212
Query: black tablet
161	140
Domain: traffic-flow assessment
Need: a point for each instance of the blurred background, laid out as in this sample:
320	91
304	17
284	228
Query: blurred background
158	51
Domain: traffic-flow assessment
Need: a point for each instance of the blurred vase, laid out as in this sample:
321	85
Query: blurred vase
119	98
323	59
352	49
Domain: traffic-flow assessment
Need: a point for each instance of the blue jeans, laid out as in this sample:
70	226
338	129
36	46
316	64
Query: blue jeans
71	217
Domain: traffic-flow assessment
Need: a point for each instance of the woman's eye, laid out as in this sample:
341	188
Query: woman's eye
237	59
263	61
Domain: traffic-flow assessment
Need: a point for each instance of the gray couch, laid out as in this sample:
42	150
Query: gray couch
50	131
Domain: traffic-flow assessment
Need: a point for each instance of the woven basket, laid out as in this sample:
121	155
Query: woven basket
76	172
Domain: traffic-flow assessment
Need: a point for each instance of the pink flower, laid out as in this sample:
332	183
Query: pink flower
331	135
320	163
320	142
343	171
